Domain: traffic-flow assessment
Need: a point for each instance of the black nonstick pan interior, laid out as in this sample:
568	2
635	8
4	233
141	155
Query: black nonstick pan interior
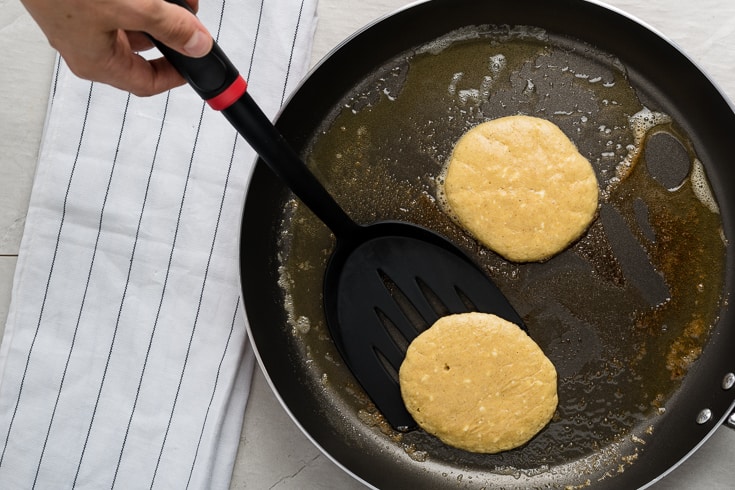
634	315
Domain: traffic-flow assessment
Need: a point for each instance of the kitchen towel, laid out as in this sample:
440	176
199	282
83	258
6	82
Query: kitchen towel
125	360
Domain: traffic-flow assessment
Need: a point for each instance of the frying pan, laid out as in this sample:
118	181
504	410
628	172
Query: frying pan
599	448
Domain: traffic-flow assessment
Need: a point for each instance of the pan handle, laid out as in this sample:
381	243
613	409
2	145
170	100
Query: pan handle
730	421
728	382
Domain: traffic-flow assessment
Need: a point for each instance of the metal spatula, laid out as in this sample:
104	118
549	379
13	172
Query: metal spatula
384	282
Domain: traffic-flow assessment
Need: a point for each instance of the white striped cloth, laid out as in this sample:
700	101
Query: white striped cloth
125	362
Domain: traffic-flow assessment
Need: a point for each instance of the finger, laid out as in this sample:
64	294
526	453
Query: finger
129	71
144	78
139	41
175	27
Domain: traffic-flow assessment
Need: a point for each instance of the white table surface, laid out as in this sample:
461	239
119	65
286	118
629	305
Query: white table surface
273	452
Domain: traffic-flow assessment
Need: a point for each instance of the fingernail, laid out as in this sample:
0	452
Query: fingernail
197	45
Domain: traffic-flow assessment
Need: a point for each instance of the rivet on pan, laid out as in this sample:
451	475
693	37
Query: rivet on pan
704	416
728	381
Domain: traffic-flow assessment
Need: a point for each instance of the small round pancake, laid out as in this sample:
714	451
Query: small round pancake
478	383
520	186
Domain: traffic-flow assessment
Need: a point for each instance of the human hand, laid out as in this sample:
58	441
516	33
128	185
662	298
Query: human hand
100	39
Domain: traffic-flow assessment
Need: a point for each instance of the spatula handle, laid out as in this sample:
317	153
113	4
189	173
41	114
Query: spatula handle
274	150
215	78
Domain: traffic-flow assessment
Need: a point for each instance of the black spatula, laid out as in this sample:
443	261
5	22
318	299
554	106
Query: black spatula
385	282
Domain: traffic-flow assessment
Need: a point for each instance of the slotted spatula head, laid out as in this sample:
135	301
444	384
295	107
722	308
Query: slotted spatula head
383	287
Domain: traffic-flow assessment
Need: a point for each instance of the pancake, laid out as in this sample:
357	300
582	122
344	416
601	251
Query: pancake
520	186
478	383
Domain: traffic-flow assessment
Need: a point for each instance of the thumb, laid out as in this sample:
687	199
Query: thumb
179	29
